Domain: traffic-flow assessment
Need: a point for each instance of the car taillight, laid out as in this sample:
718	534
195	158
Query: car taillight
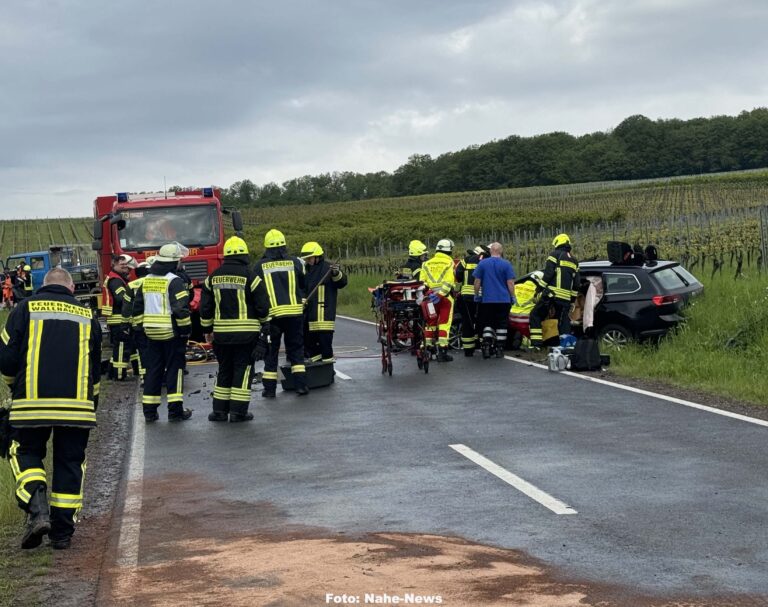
661	300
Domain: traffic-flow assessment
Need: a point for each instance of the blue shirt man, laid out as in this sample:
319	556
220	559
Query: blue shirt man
496	277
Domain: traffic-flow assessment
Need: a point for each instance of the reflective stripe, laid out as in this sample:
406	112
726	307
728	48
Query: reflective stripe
5	337
269	375
298	368
150	399
66	500
33	357
325	325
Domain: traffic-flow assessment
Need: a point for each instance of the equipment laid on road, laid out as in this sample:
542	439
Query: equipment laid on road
318	375
398	306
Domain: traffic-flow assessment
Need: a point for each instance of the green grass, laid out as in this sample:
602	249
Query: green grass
354	299
722	349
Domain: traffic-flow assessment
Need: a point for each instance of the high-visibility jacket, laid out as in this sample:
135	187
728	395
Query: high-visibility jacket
161	306
437	273
233	301
411	268
114	290
320	312
128	298
561	274
464	274
285	281
50	356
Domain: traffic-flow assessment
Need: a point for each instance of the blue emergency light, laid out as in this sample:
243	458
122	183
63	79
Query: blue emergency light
122	197
207	192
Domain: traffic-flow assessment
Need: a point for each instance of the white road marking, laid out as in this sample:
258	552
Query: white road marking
554	504
128	545
342	375
367	322
671	399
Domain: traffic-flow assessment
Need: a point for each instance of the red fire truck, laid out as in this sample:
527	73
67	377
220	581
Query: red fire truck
139	224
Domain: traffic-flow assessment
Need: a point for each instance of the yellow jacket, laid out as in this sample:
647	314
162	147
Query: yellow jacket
437	273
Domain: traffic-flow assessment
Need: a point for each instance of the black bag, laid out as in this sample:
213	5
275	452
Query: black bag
619	252
586	355
5	432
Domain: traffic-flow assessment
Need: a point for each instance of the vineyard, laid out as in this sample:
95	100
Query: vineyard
710	223
706	222
23	235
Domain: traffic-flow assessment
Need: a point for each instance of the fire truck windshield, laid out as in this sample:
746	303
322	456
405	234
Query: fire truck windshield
192	226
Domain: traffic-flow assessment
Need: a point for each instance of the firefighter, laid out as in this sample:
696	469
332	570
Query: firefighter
437	273
323	283
232	303
284	280
161	311
468	307
27	280
136	338
558	289
114	291
496	278
417	255
7	291
51	357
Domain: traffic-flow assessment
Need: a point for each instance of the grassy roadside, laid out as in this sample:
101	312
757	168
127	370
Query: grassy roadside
699	356
722	349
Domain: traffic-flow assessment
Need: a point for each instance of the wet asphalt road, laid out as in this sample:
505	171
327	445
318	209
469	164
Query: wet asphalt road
669	499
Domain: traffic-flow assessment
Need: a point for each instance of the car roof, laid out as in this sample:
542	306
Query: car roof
607	265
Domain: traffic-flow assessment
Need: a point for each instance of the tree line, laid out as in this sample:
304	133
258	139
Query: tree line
638	148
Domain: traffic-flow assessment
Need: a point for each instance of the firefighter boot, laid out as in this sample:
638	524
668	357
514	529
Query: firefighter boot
217	416
443	356
39	520
179	414
268	393
240	417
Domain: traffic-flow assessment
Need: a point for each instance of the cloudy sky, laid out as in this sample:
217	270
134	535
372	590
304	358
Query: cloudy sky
99	97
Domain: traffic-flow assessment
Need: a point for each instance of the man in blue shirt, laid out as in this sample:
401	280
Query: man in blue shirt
495	290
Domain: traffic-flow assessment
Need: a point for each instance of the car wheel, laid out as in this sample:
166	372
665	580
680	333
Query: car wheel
614	336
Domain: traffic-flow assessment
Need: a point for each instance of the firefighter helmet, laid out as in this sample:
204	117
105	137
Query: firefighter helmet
274	238
311	249
235	246
150	260
560	240
173	251
416	248
27	268
445	245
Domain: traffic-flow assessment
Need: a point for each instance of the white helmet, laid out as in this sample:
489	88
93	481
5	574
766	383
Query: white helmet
445	245
173	251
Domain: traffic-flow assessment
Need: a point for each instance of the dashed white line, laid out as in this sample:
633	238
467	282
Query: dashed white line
367	322
128	545
536	494
341	375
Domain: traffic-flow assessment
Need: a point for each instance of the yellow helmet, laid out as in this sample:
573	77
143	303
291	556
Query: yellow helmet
311	249
416	248
235	246
560	240
274	238
27	268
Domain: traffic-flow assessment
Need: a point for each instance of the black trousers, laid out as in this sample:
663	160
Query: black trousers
27	453
121	353
291	329
493	321
319	345
541	312
139	352
468	308
232	391
165	363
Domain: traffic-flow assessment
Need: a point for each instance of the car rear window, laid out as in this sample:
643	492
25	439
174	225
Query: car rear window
686	275
669	279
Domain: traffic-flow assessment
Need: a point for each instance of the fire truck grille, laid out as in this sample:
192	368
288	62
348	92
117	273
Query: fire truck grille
197	270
